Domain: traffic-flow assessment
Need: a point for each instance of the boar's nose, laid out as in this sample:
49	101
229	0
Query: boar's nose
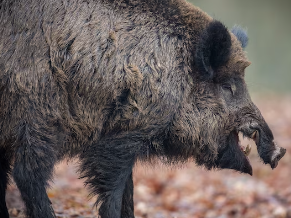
278	153
268	150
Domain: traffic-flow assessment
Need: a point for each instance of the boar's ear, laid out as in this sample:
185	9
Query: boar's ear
241	35
213	49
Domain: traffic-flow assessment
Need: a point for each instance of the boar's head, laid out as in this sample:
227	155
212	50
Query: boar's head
219	106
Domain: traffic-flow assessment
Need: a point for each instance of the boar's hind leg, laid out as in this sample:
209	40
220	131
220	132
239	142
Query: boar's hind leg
107	166
33	167
3	185
4	171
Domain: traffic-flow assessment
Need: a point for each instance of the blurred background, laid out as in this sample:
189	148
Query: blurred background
187	191
268	24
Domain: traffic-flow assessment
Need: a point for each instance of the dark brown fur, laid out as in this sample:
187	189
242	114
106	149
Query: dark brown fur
111	82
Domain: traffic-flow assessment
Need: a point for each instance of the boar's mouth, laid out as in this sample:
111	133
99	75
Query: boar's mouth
235	155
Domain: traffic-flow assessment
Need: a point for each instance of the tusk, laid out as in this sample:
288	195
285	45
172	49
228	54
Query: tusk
255	136
248	150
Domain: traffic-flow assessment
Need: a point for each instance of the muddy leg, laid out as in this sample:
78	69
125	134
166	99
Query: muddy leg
33	167
127	209
107	166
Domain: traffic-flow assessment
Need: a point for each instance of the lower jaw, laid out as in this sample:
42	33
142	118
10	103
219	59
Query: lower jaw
233	157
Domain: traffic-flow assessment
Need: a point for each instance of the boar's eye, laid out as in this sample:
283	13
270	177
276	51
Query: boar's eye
227	87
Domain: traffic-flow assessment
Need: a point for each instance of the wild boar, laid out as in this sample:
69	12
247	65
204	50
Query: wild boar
115	81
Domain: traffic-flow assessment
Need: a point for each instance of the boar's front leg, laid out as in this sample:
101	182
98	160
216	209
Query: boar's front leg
127	209
107	166
33	167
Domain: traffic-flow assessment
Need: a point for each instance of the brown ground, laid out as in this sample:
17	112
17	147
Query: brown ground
188	191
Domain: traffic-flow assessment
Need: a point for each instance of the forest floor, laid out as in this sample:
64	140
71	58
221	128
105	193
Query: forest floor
187	191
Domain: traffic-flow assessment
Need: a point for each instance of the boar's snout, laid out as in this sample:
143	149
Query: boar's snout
277	154
234	155
268	150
